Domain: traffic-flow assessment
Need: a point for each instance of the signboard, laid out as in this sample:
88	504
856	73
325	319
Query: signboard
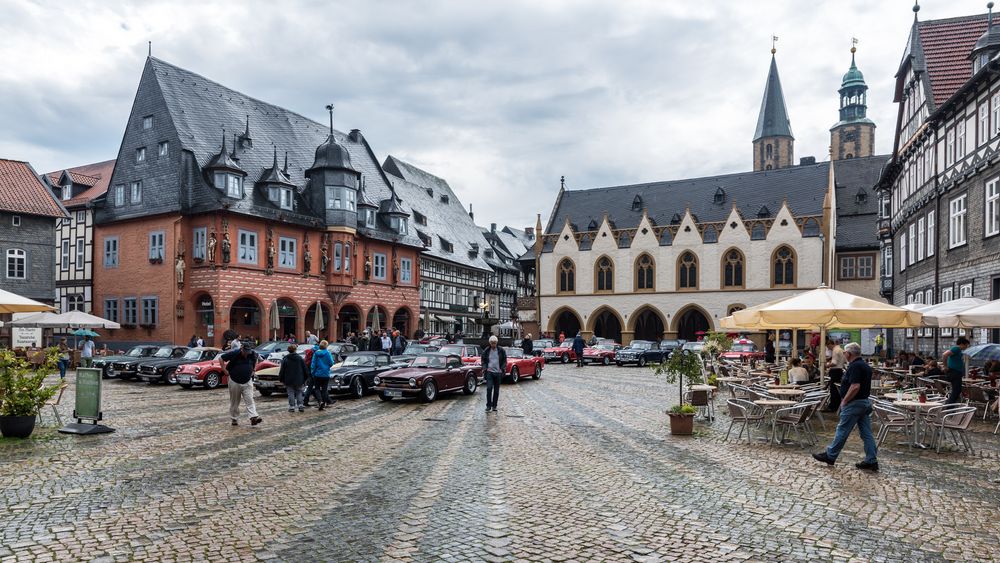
26	337
88	394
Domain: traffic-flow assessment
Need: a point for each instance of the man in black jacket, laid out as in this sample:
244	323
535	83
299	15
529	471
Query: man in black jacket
238	365
527	346
292	375
494	362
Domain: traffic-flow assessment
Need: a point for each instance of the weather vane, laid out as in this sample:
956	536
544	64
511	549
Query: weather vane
774	39
329	108
854	44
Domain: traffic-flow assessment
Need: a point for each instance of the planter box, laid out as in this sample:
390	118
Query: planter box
681	424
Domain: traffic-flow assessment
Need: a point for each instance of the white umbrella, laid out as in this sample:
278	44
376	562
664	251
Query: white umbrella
934	314
319	323
986	315
70	319
14	303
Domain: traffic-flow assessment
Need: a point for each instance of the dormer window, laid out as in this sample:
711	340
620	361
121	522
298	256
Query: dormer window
230	183
282	197
488	253
861	196
764	212
592	226
398	225
67	192
720	196
341	198
370	218
424	239
446	246
637	203
419	218
444	198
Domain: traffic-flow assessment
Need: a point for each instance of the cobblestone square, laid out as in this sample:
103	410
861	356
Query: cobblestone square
576	466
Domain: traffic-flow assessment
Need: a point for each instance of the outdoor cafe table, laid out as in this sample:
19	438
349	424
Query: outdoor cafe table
702	388
917	406
790	393
771	407
772	386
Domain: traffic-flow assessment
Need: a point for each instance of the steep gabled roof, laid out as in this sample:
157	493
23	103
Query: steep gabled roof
773	119
22	191
97	176
942	48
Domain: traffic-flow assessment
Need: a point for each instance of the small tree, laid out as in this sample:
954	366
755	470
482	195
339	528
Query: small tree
681	364
22	392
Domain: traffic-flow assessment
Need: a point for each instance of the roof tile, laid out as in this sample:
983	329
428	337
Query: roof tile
22	191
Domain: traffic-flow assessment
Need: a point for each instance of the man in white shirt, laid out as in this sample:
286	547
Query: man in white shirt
311	338
87	352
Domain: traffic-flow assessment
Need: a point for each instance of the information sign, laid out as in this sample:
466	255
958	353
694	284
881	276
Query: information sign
88	393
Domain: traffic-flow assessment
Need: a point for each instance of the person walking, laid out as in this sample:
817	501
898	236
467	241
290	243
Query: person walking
879	344
578	349
494	362
237	365
769	355
855	410
311	338
199	342
954	360
322	360
386	343
193	342
87	352
292	374
835	366
527	346
398	344
64	358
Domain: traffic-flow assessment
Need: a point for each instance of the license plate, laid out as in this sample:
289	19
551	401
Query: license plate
183	379
265	384
393	393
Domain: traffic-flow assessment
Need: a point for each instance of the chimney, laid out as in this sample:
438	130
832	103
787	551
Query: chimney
807	160
530	231
355	135
471	216
493	227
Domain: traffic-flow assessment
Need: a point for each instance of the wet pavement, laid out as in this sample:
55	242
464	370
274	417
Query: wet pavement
578	465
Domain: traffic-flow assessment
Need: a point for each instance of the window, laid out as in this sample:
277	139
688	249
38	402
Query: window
993	207
75	302
784	267
347	257
370	218
949	151
378	266
420	218
984	123
947	294
156	246
710	236
286	252
965	290
857	267
140	154
286	198
902	252
912	250
147	122
163	149
64	255
111	310
995	108
405	270
398	224
247	247
887	261
931	234
687	271
768	151
956	222
340	198
866	267
130	313
567	276
80	253
67	192
446	246
732	269
198	242
338	256
111	252
848	267
758	232
921	238
444	198
960	140
605	273
234	186
15	220
644	272
81	216
136	195
17	264
150	311
119	195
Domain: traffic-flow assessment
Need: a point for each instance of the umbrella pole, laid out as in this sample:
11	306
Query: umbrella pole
822	346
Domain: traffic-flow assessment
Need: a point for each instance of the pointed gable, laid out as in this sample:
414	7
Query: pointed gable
773	119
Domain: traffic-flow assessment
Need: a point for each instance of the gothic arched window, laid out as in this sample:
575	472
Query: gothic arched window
783	261
733	265
687	271
567	276
605	274
768	152
644	273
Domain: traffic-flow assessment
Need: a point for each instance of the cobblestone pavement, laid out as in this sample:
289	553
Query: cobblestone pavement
578	465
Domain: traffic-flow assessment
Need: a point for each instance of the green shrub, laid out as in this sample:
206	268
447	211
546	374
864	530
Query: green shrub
686	408
22	392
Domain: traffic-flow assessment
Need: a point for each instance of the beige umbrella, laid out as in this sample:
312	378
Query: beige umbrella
375	321
275	321
986	315
14	303
948	311
318	322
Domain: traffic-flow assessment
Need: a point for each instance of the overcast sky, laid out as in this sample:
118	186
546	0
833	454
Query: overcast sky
499	98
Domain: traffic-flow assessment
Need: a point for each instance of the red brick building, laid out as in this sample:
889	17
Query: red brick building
198	236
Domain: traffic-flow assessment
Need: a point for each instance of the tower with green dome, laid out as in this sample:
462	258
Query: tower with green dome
854	135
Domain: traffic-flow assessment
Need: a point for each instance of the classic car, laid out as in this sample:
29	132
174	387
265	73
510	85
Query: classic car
563	352
106	363
669	345
602	353
470	353
742	350
641	352
164	370
413	349
265	349
127	369
206	373
356	375
428	376
693	347
539	346
520	365
340	350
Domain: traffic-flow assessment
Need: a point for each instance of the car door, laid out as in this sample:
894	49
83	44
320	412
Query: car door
381	366
455	376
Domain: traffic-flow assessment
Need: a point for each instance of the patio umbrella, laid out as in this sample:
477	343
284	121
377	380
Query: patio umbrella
318	322
275	321
986	315
375	322
14	303
85	332
933	314
983	352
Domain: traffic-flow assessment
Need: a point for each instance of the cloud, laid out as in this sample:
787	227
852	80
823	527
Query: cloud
499	98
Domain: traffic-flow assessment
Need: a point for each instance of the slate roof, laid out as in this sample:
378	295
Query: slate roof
96	176
773	119
803	187
942	48
447	220
857	202
22	191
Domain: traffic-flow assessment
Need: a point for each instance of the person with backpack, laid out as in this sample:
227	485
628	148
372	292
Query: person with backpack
238	365
322	361
292	375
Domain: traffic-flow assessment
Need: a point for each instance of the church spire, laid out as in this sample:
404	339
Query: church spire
773	142
854	135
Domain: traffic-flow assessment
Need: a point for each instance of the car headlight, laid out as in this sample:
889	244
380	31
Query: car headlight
378	380
413	382
197	370
336	380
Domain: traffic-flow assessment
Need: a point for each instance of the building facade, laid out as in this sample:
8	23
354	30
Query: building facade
669	259
76	188
228	213
454	271
940	221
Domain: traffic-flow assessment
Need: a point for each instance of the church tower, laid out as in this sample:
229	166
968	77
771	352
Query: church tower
773	143
854	135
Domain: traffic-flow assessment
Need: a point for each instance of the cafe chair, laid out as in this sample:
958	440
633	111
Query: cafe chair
54	404
956	421
979	398
700	400
797	417
891	419
744	412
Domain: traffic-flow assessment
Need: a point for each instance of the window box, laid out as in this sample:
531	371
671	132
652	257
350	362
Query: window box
156	260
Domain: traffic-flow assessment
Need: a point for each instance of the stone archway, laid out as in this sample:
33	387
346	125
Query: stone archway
605	323
690	321
329	325
349	320
383	318
204	318
288	316
647	324
566	322
401	321
246	318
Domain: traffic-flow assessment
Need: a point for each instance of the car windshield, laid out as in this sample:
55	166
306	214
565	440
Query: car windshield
641	345
163	352
359	360
457	350
416	348
267	348
428	362
192	355
694	345
566	344
514	352
744	348
605	346
668	343
136	352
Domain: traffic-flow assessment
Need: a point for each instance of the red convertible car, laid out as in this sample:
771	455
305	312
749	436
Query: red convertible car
470	353
428	376
602	353
563	352
743	350
206	373
519	365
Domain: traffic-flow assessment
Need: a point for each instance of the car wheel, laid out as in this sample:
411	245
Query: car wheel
384	397
565	358
538	371
605	361
171	377
515	375
357	388
211	380
265	392
471	384
642	361
430	392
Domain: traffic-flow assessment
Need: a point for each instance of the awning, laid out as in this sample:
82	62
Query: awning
444	319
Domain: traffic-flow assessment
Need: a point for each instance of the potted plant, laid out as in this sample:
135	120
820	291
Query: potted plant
22	393
716	343
681	364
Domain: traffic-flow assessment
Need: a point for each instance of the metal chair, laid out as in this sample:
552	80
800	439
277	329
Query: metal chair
890	418
796	417
979	398
54	404
745	412
956	421
700	400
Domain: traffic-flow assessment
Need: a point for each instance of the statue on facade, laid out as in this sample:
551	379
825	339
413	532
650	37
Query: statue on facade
368	267
324	260
213	241
307	258
395	270
227	247
179	270
270	257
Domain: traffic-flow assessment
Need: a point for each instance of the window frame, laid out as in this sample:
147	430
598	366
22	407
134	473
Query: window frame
147	122
163	149
157	244
80	254
111	254
64	252
727	264
957	224
902	252
338	256
347	257
287	253
921	237
931	233
13	256
604	275
110	310
793	258
244	247
379	263
991	209
566	276
140	155
130	311
199	243
150	311
645	274
135	192
119	195
406	270
684	272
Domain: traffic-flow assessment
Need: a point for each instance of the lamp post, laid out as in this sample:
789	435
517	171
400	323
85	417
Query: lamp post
484	306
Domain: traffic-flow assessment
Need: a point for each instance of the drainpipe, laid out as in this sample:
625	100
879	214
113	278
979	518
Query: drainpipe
173	280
